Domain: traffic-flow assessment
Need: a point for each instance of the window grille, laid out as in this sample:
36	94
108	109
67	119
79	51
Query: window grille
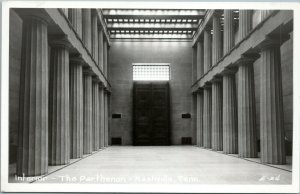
151	72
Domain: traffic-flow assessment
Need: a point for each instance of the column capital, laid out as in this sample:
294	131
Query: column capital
60	41
106	90
246	59
101	85
87	71
207	85
200	40
216	78
100	27
94	12
38	14
217	13
77	58
229	71
200	90
273	41
95	79
208	27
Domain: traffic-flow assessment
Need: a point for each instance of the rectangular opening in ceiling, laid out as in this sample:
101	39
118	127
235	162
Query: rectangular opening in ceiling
152	23
151	71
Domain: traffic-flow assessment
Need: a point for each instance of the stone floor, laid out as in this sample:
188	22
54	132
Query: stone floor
165	165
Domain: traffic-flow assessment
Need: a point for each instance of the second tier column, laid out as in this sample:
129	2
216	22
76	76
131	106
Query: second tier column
100	48
59	104
200	59
217	131
265	14
247	146
217	39
87	29
105	58
75	17
207	50
95	40
228	31
245	23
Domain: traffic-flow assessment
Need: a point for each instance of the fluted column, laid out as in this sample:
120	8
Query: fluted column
271	105
194	64
217	130
230	118
216	40
245	23
207	117
247	140
76	107
96	114
107	62
87	29
87	112
105	58
102	122
200	59
65	10
105	119
108	118
75	17
200	119
265	14
32	153
228	31
207	50
95	36
59	104
100	48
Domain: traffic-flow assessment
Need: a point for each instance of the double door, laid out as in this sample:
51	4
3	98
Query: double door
151	113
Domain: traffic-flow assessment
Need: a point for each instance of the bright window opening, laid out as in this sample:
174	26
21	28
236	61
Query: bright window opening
151	71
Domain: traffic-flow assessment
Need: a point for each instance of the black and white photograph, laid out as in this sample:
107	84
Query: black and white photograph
150	96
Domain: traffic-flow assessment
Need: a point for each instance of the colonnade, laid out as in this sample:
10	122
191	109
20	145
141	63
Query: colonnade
226	115
63	104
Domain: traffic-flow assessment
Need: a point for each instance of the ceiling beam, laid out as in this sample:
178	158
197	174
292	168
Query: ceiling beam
152	25
151	36
197	17
156	29
130	12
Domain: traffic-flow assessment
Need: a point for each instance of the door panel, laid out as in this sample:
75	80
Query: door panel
151	113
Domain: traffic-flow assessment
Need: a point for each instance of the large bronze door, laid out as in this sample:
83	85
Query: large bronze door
151	113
